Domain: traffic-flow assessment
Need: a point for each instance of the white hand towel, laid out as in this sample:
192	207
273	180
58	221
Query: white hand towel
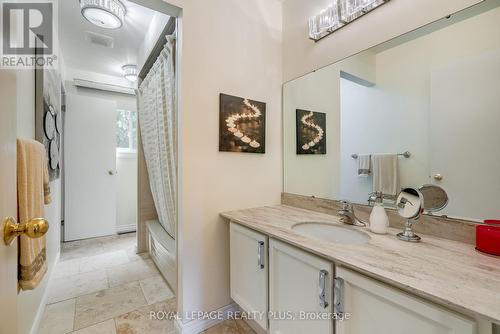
385	172
364	168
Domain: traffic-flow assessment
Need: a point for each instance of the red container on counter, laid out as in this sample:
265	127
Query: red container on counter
488	237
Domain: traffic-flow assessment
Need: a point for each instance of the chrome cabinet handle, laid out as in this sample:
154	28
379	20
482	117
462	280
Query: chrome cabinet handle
260	254
338	295
322	288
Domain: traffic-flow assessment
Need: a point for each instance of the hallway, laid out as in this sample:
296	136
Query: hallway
101	286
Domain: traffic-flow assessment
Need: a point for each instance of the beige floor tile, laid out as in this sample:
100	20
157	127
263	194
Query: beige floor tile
155	289
66	268
103	261
132	271
230	327
109	303
58	318
78	252
63	288
133	256
119	243
106	327
140	321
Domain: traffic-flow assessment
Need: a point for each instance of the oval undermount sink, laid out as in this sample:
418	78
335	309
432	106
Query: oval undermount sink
331	233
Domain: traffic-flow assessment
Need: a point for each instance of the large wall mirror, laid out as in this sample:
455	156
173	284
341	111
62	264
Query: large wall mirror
434	93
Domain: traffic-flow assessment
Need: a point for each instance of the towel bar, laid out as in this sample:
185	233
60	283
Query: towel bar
406	154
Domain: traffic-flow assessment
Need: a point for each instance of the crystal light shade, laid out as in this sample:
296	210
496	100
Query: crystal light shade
325	22
108	14
338	14
130	72
352	9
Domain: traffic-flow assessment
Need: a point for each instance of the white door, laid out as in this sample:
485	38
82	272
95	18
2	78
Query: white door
465	116
377	308
8	201
90	167
249	268
300	291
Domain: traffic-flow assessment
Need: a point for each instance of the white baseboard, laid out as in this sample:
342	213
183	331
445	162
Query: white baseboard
41	308
199	325
125	228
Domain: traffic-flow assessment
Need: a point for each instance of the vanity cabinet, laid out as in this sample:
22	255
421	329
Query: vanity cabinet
249	271
377	308
290	287
299	282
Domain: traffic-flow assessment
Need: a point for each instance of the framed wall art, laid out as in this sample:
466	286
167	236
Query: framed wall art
242	125
311	132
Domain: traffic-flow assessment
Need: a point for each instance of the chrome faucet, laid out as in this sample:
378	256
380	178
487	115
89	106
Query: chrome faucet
348	216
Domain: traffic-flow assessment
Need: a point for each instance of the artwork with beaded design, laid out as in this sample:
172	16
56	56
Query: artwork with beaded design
242	125
311	135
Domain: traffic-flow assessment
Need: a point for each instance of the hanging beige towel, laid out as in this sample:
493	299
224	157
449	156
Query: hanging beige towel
385	171
32	193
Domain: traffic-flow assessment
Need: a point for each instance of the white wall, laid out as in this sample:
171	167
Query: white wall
126	197
31	303
156	26
301	55
232	47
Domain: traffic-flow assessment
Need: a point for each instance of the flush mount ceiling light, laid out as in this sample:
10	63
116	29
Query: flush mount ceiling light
108	14
338	14
130	72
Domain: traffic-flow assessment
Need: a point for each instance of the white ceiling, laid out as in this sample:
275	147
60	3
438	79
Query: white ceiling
82	55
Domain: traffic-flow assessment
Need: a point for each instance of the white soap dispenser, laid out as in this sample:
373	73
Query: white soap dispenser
379	221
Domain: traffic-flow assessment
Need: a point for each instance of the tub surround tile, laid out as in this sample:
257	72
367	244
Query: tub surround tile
131	271
106	327
155	289
107	304
139	321
68	287
447	272
58	318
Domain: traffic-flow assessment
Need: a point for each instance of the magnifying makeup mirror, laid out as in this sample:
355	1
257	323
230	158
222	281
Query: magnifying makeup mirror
435	197
410	204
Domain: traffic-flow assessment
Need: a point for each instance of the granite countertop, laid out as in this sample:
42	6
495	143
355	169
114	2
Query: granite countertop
447	272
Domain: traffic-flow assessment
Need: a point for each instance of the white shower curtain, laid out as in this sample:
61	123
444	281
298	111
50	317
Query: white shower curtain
157	120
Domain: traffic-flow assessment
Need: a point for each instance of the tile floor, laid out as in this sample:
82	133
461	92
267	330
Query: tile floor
101	286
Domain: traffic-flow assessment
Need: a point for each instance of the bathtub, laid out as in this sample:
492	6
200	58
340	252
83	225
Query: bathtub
162	249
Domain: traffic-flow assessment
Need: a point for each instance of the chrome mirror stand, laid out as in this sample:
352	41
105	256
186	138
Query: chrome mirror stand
408	234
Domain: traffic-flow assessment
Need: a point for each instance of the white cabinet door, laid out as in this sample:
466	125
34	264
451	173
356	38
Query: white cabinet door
249	271
299	282
377	308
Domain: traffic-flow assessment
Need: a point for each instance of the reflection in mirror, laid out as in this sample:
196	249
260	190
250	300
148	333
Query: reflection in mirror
435	197
432	92
410	205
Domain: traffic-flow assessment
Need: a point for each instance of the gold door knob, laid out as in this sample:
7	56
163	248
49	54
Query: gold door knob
438	177
35	228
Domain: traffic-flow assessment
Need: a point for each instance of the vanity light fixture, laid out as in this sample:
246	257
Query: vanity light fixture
130	72
339	14
108	14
